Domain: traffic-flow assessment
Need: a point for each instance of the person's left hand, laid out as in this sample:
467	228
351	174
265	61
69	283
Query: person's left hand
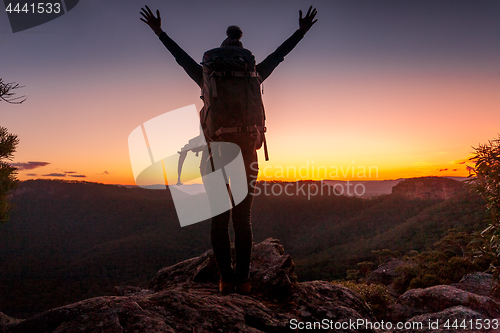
306	23
153	22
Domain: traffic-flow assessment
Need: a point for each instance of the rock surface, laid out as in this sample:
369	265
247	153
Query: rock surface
385	273
185	298
4	320
443	305
428	188
478	283
443	321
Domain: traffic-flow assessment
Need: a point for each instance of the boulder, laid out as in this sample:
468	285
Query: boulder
435	299
443	321
272	272
5	320
386	273
478	283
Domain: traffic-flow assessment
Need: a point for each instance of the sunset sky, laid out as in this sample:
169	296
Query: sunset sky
404	87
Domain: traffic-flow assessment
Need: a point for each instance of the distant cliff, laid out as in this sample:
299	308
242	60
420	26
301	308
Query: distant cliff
428	188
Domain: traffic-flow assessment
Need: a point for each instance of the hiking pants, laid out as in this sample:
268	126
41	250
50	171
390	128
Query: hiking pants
240	216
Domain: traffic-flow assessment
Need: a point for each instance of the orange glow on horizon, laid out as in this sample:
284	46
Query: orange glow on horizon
307	171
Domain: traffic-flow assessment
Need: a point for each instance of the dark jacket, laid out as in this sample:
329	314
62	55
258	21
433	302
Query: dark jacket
265	68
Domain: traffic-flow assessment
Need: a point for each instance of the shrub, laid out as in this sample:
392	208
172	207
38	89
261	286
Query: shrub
375	295
485	178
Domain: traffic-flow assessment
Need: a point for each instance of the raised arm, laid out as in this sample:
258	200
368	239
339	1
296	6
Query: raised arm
192	68
266	67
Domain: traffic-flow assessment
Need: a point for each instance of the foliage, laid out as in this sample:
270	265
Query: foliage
375	295
7	94
365	268
485	178
385	254
8	144
390	224
449	260
352	275
8	180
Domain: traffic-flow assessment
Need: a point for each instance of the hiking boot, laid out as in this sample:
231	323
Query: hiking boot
226	287
244	288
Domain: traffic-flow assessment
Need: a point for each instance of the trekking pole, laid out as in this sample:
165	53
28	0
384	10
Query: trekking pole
265	148
210	156
226	180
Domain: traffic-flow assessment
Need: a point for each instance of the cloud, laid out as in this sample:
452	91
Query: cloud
463	160
55	175
105	173
64	174
443	170
455	169
29	165
31	174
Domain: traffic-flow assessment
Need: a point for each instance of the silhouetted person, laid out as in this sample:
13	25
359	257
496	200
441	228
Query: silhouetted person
247	138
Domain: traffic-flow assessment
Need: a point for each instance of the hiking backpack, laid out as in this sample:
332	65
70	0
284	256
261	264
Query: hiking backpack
231	95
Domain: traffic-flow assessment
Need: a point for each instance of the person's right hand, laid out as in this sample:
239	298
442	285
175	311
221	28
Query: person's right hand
153	22
307	22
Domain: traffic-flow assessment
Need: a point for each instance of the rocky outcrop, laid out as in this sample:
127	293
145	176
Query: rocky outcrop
5	320
477	283
441	308
386	273
443	302
444	321
272	272
428	188
185	298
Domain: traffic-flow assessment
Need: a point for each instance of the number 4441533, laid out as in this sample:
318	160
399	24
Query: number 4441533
39	8
477	324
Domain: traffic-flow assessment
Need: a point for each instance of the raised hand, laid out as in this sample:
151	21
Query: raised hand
153	22
306	23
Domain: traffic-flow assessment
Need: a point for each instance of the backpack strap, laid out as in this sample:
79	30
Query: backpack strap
230	73
225	130
237	74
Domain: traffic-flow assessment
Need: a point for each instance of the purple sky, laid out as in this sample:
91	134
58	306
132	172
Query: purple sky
97	72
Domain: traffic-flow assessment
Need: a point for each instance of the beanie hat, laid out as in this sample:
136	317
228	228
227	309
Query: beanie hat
234	34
